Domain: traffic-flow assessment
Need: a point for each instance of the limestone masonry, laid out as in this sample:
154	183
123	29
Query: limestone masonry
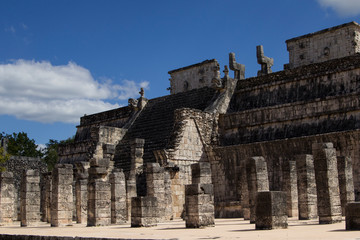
263	148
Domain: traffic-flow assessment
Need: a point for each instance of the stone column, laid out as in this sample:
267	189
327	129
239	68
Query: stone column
199	197
137	152
144	211
156	187
62	195
118	197
327	182
306	187
271	210
7	198
258	180
168	197
352	216
81	191
46	197
244	193
30	198
346	182
290	187
99	194
137	162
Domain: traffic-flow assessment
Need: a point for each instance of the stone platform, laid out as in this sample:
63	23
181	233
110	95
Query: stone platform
234	228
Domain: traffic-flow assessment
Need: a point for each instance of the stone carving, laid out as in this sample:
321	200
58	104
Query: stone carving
265	62
239	69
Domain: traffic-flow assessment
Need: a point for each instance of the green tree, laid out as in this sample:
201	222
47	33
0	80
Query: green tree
3	158
51	152
19	144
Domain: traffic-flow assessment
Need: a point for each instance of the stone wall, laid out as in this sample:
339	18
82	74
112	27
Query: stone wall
335	42
304	84
276	152
194	76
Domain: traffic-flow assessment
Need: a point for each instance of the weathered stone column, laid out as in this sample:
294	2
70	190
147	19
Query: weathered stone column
7	198
46	197
271	210
30	198
168	197
352	214
290	187
118	197
144	211
62	195
99	194
199	197
244	193
137	152
327	182
137	162
257	179
306	186
346	182
81	191
156	186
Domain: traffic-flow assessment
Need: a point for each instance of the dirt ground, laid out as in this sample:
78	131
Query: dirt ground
224	229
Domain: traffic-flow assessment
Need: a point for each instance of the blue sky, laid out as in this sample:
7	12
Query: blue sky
62	59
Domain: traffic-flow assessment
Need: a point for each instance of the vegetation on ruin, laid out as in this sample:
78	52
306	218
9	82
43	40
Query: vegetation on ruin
3	158
19	144
51	151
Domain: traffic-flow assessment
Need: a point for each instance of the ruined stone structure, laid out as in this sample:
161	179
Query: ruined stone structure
209	147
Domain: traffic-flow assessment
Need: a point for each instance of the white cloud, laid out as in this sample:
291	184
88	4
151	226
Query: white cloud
42	92
344	8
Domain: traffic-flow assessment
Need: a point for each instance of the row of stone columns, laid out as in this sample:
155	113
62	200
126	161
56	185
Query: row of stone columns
318	185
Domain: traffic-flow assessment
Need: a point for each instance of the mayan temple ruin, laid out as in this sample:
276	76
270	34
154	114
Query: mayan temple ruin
278	145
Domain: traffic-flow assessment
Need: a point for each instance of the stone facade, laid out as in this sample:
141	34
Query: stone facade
194	76
324	45
224	122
